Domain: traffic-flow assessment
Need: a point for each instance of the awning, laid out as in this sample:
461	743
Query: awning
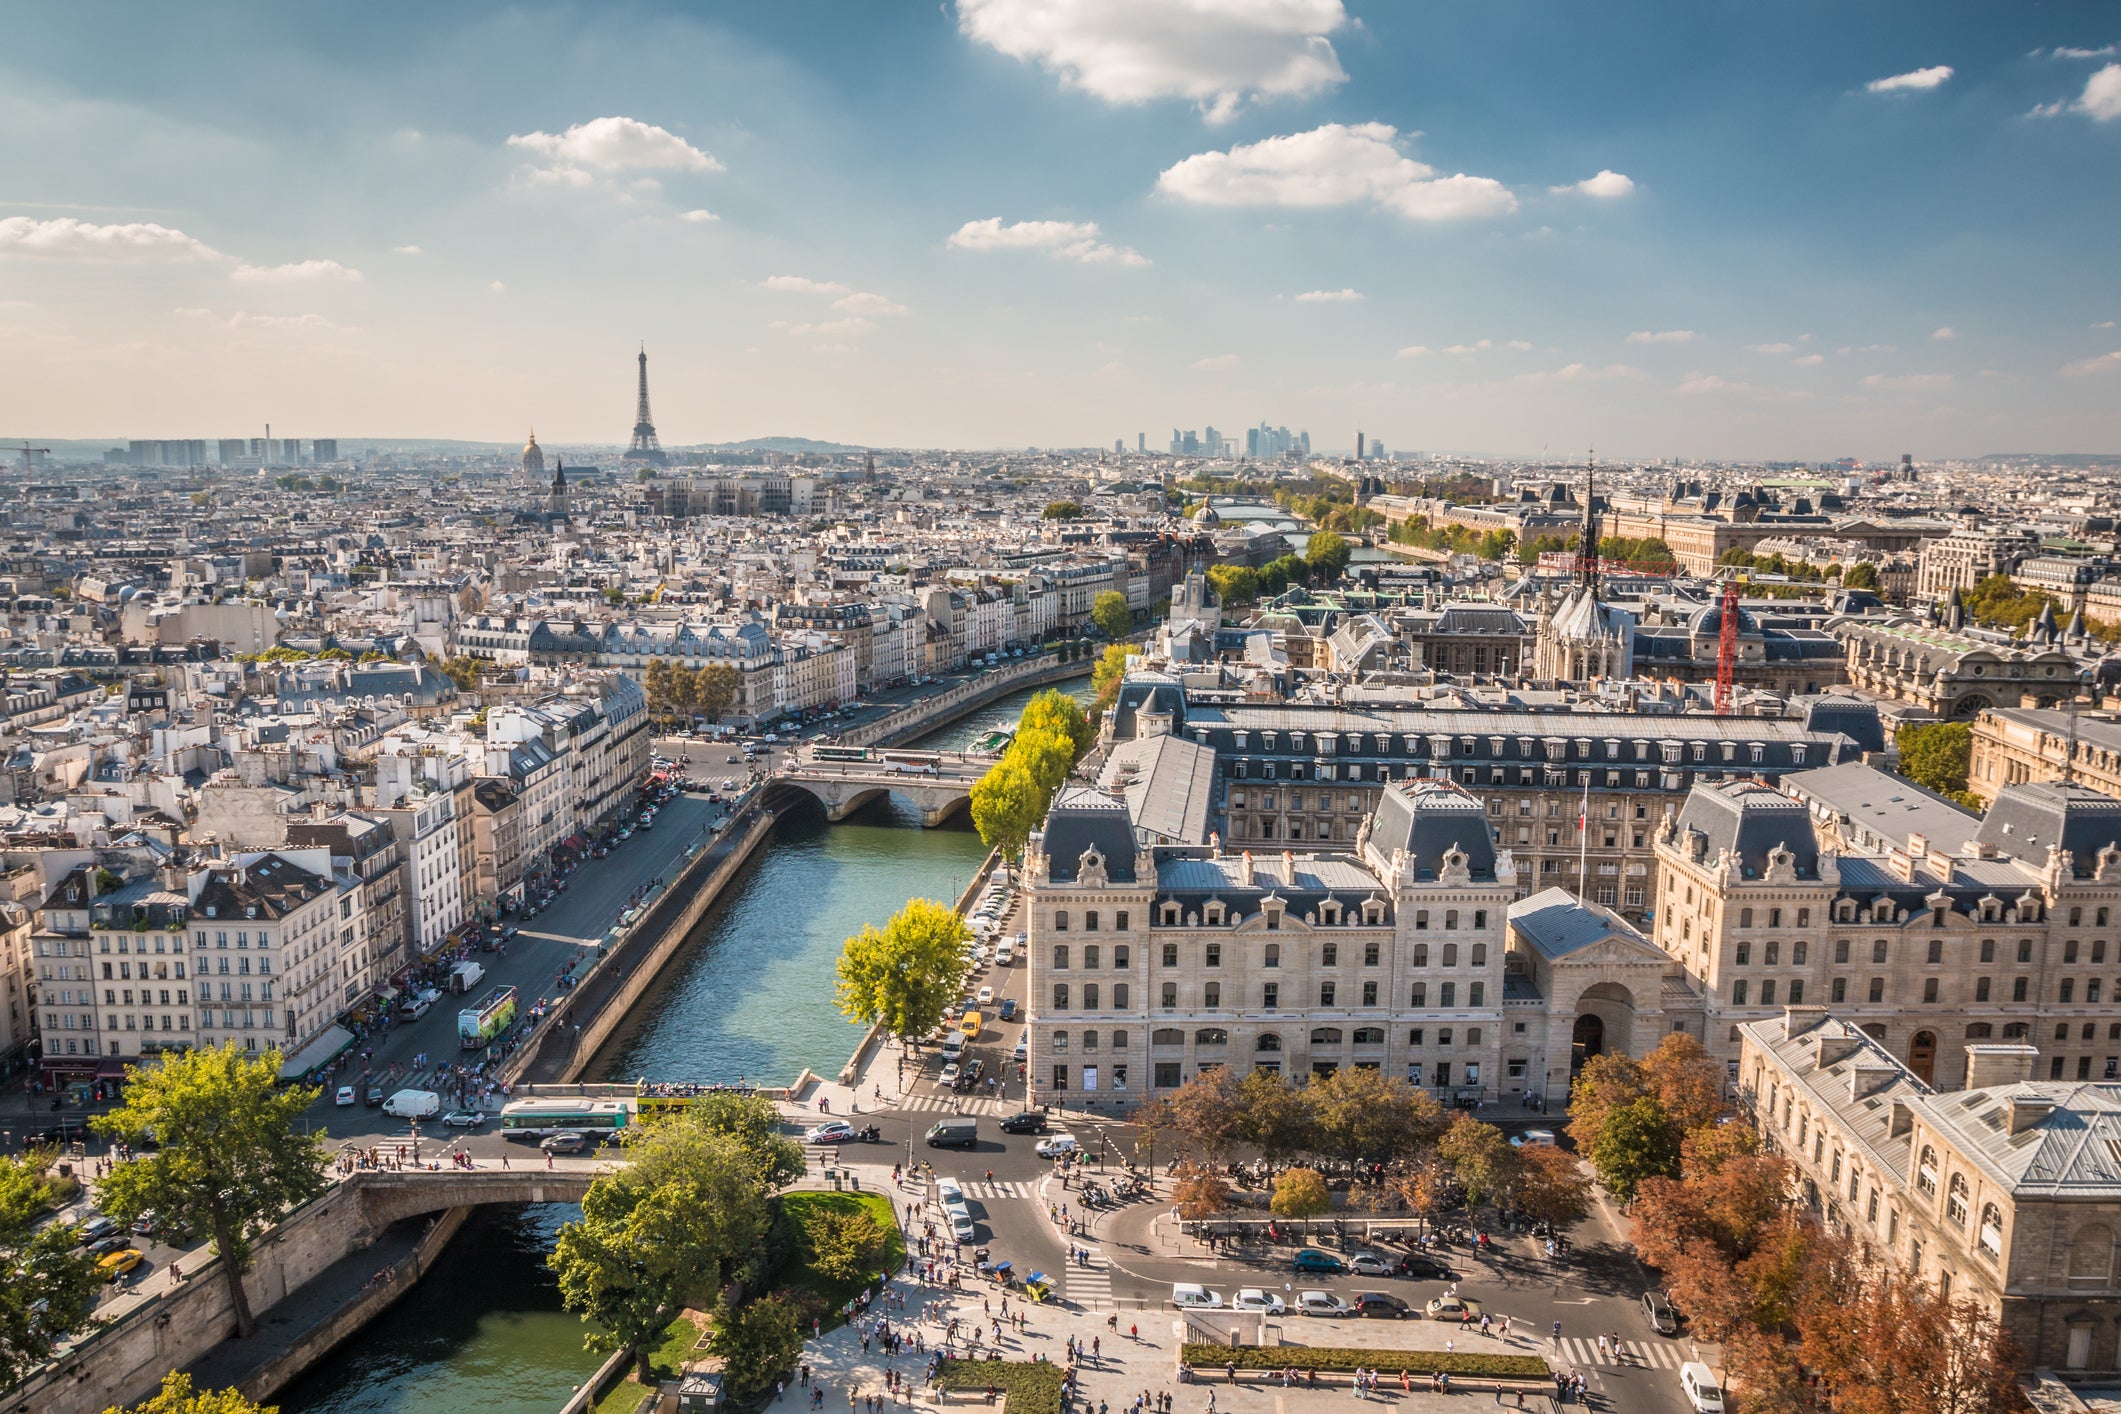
387	992
333	1040
114	1067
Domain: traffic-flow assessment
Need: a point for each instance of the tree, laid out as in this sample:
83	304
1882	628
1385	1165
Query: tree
1427	1188
463	671
1234	584
1106	677
655	686
1047	755
176	1397
1109	612
907	974
843	1245
1686	1080
1327	555
755	1125
54	1285
760	1341
1300	1193
1062	715
672	1227
1008	803
1275	1116
1063	510
1887	1343
1363	1115
1862	575
1481	1159
1207	1112
1936	756
1637	1141
230	1161
1550	1186
1201	1192
714	688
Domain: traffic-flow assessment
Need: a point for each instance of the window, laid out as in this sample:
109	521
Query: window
1268	1041
1212	955
1060	1076
1936	950
1168	998
1119	996
1091	956
1745	917
1060	920
1419	996
1955	1199
1325	994
1270	996
1090	921
1447	994
1119	920
1981	986
1796	993
1369	954
1421	954
1475	992
1480	954
2068	990
1369	994
1841	989
1170	954
1271	957
1329	955
1166	1075
1211	994
1877	989
1929	989
2017	989
1767	992
1744	956
1797	954
1988	949
1878	950
1926	1172
1060	996
1211	1036
1738	992
1060	957
1325	1036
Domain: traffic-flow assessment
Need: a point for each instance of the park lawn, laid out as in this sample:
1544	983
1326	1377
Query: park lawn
802	1277
680	1340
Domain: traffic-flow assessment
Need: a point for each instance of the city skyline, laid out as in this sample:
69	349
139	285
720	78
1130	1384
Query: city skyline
1002	223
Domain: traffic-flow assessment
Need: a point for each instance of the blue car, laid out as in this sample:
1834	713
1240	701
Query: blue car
1310	1259
1008	1011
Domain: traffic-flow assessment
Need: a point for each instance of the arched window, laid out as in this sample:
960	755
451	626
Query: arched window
1272	956
1325	1036
1988	1235
1090	921
1060	996
1169	996
1955	1198
1979	1031
2091	1256
1167	1036
1480	954
1119	996
1122	957
1421	954
1420	995
1090	955
1119	1040
1060	956
1745	917
1211	995
1926	1172
1060	1040
1369	1035
1267	1042
1211	1036
1089	1040
1060	920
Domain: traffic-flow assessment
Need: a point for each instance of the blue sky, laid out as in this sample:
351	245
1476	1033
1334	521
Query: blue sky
1700	228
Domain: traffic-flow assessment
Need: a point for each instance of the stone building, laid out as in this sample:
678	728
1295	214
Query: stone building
1968	555
2015	744
2008	1194
1953	674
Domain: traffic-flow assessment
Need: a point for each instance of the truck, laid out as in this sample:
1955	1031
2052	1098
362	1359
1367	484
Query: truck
466	976
413	1104
477	1025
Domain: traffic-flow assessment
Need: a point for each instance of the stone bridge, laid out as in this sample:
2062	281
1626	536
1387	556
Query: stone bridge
938	789
385	1198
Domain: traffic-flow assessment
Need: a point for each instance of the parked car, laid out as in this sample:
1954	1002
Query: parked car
985	996
831	1131
1381	1304
1698	1383
464	1119
1422	1268
1533	1139
95	1228
1452	1308
1028	1122
117	1264
1192	1295
566	1141
1310	1259
1369	1264
144	1225
1265	1302
1658	1307
104	1246
1320	1303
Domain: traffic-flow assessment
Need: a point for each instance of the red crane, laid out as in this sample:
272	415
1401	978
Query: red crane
1727	649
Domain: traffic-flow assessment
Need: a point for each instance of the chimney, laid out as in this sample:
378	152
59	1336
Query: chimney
1990	1066
1796	1020
1244	870
1903	1119
2027	1111
1870	1077
1836	1044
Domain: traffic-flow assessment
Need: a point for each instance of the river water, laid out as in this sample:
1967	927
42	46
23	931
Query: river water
750	996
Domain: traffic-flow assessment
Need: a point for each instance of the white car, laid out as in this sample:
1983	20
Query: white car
1192	1295
986	996
345	1095
950	1074
1005	955
1055	1146
1533	1139
1698	1382
1253	1298
1320	1303
832	1131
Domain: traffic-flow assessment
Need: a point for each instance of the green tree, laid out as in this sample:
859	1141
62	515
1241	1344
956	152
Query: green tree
905	975
685	1217
1206	1112
1637	1141
1234	584
1481	1159
1937	755
54	1285
176	1397
1327	554
1109	612
1008	803
1106	677
1063	510
755	1125
1863	575
1361	1114
655	686
760	1341
230	1161
1048	756
1276	1116
714	688
463	671
1300	1193
1277	575
843	1245
1058	713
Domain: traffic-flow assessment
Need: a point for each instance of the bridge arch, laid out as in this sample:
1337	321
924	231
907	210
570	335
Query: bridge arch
387	1198
842	795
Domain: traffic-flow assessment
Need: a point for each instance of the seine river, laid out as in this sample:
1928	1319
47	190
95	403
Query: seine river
483	1333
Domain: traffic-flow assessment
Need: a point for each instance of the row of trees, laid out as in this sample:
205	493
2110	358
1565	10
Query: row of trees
1857	576
1650	552
1010	801
1324	560
1937	756
1454	539
674	690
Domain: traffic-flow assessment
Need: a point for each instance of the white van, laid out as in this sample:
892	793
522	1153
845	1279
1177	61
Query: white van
1698	1383
1191	1295
953	1045
413	1104
1005	954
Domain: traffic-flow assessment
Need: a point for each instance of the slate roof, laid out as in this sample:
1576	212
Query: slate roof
1168	784
2027	820
2074	1151
1558	923
1752	820
1082	818
1888	807
1429	818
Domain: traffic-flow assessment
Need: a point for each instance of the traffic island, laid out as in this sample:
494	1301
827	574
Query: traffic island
1212	1364
1029	1386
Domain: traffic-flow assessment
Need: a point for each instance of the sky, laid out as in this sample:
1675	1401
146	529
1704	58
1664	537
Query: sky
1694	229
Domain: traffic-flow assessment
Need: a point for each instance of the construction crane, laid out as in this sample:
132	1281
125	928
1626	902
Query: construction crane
27	451
1727	649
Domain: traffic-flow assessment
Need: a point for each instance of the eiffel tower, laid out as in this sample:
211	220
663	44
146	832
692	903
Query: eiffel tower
645	447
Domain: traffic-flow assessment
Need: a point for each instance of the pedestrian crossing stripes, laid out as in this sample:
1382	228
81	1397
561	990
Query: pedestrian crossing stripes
999	1188
953	1104
1639	1354
1089	1285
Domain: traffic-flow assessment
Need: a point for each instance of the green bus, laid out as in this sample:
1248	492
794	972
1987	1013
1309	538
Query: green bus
540	1115
477	1025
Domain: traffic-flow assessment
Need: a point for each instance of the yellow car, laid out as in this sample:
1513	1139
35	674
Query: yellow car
117	1264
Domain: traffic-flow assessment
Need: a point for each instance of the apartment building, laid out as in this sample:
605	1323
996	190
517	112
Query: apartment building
266	949
2016	744
1968	555
365	859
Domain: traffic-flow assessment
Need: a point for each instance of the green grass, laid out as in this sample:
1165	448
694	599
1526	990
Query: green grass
680	1339
1210	1360
802	1277
1033	1387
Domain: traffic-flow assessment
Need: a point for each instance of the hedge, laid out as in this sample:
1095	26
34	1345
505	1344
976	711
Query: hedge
1208	1358
1033	1387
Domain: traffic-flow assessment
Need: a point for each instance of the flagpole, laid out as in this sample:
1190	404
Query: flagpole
1583	839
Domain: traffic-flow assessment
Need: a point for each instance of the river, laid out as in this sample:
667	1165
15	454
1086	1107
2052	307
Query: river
750	996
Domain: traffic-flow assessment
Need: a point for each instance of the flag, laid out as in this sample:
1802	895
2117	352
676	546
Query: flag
1583	815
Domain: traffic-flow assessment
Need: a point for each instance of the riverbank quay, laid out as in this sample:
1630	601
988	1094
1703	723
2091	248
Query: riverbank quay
933	713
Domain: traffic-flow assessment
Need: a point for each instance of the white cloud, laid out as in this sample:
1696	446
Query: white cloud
1218	53
606	145
1663	336
863	302
1914	81
1483	346
1415	351
1770	348
803	284
2103	363
2064	51
834	348
298	272
2101	101
1581	373
1335	165
1064	240
1698	383
1343	296
276	323
1809	360
65	238
1217	361
406	250
1907	382
2047	110
1943	334
699	216
2104	324
830	328
1606	184
845	298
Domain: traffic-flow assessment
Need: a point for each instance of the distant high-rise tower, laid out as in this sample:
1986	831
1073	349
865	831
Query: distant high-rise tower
645	447
1141	442
1358	446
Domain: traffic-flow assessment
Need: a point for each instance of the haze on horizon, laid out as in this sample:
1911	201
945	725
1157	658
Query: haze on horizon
1661	230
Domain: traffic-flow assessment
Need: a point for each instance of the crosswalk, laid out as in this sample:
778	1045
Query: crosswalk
955	1104
1090	1286
999	1188
1635	1354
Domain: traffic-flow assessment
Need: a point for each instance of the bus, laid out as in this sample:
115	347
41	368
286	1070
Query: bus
540	1115
839	753
478	1025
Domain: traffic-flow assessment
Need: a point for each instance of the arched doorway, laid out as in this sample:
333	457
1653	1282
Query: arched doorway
1922	1056
1605	1021
1586	1041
